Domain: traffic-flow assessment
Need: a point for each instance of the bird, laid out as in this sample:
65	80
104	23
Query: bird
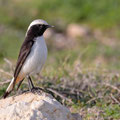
32	55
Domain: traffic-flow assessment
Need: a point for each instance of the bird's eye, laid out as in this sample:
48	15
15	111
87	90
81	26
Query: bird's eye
40	26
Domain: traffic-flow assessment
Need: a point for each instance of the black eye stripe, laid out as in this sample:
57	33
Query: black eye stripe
37	30
41	26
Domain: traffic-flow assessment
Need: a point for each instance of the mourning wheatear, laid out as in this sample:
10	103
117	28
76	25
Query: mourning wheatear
32	56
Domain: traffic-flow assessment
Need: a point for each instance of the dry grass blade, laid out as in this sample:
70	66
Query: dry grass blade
94	99
7	73
113	87
9	63
60	95
114	99
7	81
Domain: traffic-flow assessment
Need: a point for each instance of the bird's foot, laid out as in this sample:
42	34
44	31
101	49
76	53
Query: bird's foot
37	90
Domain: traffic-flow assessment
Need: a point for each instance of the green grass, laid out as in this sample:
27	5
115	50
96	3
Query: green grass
111	111
94	95
102	13
10	41
66	69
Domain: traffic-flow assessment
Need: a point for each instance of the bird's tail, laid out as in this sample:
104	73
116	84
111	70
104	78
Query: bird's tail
9	89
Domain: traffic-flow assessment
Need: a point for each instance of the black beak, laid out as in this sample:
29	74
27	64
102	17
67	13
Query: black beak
49	26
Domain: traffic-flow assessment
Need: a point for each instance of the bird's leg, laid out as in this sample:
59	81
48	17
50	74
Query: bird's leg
19	84
30	83
32	88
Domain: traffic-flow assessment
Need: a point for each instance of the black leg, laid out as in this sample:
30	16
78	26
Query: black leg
19	84
31	82
31	86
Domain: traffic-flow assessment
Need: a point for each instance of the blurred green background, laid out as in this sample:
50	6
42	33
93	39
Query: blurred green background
83	50
100	17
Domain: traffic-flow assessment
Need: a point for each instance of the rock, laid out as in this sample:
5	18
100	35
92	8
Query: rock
30	106
63	42
76	30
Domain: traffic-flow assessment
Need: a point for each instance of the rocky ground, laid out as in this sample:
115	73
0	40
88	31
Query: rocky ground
29	106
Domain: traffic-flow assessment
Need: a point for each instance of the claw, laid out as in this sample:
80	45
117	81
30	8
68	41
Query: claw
37	90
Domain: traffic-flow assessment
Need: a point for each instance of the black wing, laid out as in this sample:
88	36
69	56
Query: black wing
24	52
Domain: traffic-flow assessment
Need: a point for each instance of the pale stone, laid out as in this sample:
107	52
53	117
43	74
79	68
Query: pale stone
77	30
30	106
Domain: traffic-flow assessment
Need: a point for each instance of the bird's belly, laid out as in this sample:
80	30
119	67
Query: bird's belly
36	59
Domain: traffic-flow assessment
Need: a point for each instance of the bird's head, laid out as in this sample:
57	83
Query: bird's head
38	27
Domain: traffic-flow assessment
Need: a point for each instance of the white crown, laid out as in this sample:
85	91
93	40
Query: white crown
38	21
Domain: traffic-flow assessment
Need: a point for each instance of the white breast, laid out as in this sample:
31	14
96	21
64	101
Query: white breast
37	57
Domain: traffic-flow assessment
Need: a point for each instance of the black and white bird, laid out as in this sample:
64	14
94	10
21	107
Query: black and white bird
32	56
